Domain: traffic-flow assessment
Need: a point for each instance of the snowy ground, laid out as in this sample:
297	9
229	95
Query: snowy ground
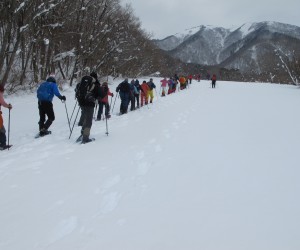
211	169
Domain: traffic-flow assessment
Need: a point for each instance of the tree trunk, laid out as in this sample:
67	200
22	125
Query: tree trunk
11	60
25	66
74	70
4	46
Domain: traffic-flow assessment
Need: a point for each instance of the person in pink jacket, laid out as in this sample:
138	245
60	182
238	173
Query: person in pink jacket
103	102
2	128
164	83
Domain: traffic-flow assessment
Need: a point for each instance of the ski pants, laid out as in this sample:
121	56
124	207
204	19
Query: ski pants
137	98
132	102
143	99
87	118
100	110
2	136
124	102
213	84
46	109
163	92
151	95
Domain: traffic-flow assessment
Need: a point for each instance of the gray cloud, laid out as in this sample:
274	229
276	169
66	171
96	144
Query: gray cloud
167	17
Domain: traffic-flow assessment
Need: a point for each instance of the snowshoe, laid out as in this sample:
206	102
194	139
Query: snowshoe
43	133
79	139
5	147
88	140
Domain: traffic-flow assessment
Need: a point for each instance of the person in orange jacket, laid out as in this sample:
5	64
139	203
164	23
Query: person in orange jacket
182	82
3	103
103	102
144	93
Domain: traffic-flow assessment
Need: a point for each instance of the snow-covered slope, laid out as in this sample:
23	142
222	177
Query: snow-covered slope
200	169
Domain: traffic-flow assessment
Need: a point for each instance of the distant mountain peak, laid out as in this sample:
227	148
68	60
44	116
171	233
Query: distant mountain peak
249	47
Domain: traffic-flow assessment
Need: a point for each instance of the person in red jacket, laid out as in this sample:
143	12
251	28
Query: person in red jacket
103	102
213	81
190	77
144	93
2	128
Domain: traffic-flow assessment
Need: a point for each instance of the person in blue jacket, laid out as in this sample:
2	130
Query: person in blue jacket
45	94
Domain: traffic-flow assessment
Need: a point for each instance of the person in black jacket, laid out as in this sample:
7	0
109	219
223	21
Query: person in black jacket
87	104
124	89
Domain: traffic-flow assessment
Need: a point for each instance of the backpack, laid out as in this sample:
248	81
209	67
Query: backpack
138	87
44	92
103	91
84	90
124	87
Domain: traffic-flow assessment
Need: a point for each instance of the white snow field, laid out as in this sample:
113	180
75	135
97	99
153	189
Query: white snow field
209	169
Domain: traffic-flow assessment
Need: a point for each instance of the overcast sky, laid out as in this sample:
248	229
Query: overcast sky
167	17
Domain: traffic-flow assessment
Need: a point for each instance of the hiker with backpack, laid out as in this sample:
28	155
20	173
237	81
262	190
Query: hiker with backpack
151	87
124	91
144	93
87	92
3	103
213	81
133	92
137	94
45	94
164	83
190	78
182	81
171	85
103	102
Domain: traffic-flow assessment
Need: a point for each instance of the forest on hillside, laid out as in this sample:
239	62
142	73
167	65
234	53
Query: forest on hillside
70	37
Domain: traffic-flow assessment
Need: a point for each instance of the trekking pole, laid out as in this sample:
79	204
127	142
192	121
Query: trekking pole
106	126
109	104
8	129
74	122
73	111
67	115
95	110
114	103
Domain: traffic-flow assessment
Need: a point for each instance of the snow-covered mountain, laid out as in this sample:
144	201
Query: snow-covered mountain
254	47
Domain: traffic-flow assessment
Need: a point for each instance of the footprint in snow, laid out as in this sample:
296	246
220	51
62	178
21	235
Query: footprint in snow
63	229
109	202
143	168
140	155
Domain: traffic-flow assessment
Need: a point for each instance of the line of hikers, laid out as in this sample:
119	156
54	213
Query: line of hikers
90	94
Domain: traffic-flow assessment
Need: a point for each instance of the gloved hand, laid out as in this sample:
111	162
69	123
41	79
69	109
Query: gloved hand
9	106
112	94
63	98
